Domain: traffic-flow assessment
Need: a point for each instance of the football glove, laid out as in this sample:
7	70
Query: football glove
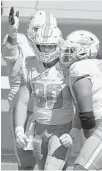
21	138
13	22
66	140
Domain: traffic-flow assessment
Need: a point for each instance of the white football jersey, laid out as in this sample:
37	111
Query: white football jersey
91	69
53	99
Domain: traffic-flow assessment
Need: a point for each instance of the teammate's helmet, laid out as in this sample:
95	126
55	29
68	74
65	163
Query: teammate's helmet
48	41
79	45
37	20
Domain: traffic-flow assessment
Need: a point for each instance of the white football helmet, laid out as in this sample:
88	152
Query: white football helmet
79	45
48	41
37	20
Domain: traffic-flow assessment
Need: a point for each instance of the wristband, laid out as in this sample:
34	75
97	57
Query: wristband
12	40
18	130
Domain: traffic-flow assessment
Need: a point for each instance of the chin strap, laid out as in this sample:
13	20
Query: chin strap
51	64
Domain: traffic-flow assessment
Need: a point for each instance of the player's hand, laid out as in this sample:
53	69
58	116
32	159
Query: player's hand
21	138
13	21
66	140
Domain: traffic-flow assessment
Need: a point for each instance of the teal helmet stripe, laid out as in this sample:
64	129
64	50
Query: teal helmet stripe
47	13
46	31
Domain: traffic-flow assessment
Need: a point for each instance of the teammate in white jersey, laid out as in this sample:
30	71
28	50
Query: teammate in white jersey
16	49
53	108
79	54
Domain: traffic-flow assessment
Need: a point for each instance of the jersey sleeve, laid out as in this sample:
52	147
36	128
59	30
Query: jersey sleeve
10	52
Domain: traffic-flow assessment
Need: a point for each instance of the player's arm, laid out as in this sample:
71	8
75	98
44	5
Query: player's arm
11	54
76	124
76	121
68	139
83	93
21	115
21	106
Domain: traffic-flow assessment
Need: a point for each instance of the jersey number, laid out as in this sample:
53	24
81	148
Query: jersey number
50	96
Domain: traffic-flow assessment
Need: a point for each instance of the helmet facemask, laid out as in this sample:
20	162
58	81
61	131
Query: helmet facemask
48	53
71	53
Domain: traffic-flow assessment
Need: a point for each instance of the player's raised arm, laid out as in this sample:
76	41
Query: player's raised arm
11	53
10	49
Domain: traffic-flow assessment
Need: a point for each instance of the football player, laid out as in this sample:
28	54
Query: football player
17	48
53	108
79	55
